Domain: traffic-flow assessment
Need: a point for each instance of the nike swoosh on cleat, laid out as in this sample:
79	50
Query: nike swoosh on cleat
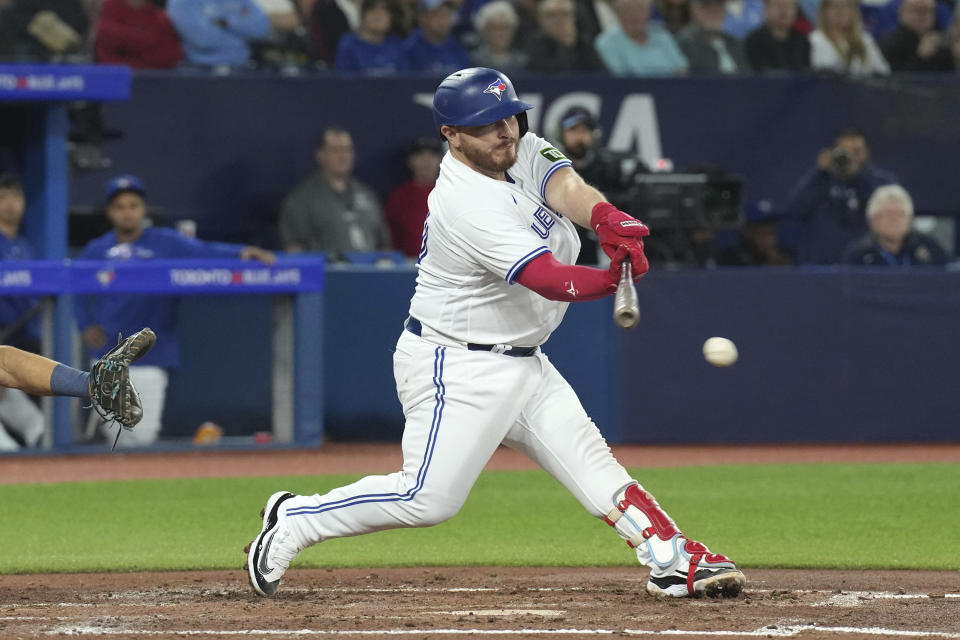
264	548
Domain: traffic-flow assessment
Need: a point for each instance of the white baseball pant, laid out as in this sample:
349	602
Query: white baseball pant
459	406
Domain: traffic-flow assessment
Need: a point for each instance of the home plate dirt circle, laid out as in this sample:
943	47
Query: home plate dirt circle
483	602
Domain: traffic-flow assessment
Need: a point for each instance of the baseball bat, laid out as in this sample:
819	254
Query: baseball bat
626	311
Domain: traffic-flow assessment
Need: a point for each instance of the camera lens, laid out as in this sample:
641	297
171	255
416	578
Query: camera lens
841	159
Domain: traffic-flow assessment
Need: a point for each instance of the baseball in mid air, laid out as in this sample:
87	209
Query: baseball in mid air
720	352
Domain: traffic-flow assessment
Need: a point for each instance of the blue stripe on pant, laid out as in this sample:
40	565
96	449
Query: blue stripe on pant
439	355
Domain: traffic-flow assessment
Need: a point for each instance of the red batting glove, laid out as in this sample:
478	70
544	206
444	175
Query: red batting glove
616	266
617	230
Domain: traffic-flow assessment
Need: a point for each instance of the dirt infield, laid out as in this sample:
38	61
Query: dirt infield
448	603
453	602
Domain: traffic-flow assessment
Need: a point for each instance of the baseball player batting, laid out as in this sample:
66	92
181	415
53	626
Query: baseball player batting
495	276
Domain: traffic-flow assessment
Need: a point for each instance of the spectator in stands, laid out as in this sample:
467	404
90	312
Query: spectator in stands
884	16
371	50
778	45
758	246
916	44
218	32
594	17
558	45
496	23
19	319
707	48
527	15
330	20
578	137
42	30
331	210
101	318
743	16
638	46
673	14
891	242
136	33
829	200
953	40
431	47
21	421
407	204
404	20
840	44
288	45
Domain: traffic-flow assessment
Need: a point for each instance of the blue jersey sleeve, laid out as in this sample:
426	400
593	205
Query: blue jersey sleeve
179	246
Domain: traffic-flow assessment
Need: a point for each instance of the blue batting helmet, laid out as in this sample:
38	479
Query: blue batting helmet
475	97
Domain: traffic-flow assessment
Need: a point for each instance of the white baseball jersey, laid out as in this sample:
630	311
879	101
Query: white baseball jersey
478	236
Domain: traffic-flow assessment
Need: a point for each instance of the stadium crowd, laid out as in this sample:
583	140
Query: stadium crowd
385	37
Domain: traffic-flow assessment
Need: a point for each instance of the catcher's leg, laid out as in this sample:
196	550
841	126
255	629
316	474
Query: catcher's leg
556	432
458	406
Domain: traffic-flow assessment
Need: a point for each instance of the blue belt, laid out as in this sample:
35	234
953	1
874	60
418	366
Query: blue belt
414	327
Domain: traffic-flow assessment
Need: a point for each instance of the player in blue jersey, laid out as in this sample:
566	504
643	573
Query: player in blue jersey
21	421
101	317
19	321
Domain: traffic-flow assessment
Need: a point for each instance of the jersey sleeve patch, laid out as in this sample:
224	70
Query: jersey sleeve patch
552	154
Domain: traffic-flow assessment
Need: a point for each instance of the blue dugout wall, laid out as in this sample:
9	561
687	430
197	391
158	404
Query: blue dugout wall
826	356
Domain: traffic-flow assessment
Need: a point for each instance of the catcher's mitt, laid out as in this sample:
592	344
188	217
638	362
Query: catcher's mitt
111	390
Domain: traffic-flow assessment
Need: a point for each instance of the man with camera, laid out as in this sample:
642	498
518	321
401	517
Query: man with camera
828	203
578	137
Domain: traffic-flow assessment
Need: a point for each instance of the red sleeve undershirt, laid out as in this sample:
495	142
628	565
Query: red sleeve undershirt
554	280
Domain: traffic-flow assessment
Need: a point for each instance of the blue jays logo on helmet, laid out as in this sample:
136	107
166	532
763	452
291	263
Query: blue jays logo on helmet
496	88
461	99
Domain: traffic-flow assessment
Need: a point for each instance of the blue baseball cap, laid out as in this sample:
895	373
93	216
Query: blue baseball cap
429	5
577	115
123	183
759	211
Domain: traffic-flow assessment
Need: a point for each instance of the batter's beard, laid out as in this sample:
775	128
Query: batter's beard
485	161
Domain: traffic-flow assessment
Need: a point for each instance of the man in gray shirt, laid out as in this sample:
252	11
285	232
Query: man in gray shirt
330	210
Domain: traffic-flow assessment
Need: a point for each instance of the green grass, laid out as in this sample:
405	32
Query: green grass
842	516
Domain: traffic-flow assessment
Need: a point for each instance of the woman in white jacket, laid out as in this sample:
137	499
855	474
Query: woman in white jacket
840	44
